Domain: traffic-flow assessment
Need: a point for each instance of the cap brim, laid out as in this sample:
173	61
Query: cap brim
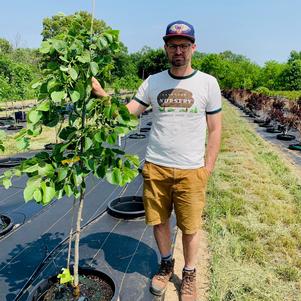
167	37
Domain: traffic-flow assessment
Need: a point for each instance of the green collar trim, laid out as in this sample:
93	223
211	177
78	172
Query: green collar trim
182	77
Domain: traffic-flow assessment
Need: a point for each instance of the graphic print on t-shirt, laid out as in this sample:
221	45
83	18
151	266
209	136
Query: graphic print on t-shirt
171	99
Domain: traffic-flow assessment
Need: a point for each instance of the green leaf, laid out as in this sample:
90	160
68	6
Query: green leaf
85	57
111	139
94	68
57	96
29	191
68	190
6	183
31	168
45	170
102	42
45	47
98	137
43	106
22	143
64	68
114	176
34	116
75	96
65	276
73	73
36	85
134	159
48	193
88	143
37	195
62	173
100	171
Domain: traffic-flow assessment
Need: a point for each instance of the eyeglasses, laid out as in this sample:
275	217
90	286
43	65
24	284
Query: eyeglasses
183	47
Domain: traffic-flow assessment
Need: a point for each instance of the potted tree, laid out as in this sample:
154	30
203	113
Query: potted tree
92	126
6	222
296	110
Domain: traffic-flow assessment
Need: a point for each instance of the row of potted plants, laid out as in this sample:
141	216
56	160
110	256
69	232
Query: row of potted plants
276	114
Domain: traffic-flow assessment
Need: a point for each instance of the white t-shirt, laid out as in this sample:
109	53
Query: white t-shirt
180	105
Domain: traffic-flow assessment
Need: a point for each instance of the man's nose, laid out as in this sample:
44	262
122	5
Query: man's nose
178	49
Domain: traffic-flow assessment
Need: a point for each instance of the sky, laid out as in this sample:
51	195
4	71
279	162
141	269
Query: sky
262	30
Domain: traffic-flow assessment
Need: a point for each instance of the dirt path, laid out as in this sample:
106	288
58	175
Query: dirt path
203	274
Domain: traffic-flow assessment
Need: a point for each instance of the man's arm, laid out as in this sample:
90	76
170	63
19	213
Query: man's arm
133	106
214	125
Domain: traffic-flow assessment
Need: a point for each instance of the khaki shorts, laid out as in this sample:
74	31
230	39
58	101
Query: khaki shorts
166	188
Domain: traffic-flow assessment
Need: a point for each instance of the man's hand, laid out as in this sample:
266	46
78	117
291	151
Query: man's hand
97	89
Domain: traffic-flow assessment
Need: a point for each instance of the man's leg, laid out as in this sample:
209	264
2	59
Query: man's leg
163	239
190	249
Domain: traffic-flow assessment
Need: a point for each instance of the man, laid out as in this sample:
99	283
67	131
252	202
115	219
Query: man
176	169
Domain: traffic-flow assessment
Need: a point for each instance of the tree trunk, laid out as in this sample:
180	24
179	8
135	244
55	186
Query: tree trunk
76	291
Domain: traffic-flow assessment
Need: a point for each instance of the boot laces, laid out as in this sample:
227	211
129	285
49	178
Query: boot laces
187	284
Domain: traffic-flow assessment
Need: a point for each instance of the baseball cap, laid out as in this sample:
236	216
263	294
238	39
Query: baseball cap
179	29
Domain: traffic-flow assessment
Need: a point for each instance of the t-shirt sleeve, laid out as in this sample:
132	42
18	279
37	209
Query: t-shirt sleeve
214	101
142	95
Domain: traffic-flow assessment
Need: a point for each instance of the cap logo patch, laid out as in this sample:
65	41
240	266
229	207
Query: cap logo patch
179	28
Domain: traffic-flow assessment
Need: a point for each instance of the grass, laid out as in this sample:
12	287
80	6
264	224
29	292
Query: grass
37	143
253	216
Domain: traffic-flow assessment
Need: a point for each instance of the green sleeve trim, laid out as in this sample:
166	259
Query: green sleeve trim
141	102
214	112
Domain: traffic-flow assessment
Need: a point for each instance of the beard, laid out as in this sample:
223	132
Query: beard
178	61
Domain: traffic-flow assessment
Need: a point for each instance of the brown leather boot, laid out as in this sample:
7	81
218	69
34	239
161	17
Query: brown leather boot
160	280
188	287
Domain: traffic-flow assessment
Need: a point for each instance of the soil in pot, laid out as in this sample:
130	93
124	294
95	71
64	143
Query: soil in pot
6	224
285	137
296	146
93	287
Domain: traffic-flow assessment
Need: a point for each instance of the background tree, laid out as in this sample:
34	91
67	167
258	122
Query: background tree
5	46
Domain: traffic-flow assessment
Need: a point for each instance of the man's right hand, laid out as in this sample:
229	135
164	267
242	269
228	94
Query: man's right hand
97	89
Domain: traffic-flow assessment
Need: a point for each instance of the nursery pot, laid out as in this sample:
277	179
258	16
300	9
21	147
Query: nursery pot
89	276
285	137
296	146
137	136
6	224
273	130
127	207
146	129
15	127
11	162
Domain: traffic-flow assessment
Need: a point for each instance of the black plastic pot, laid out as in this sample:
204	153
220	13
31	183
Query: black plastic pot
273	130
259	121
285	137
8	222
11	162
127	207
45	284
15	127
144	130
137	136
49	146
266	125
296	146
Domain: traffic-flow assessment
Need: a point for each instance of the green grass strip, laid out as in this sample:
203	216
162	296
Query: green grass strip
253	217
